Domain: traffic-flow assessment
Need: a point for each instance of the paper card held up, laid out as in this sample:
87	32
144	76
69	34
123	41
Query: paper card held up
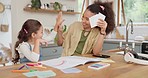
93	20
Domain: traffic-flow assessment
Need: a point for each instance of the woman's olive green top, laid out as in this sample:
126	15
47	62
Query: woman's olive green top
72	37
81	43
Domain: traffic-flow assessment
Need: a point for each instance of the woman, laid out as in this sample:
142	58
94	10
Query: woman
80	38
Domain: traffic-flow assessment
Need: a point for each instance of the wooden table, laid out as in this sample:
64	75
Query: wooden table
119	69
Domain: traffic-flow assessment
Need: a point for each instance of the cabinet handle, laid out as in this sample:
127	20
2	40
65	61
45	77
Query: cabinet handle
54	50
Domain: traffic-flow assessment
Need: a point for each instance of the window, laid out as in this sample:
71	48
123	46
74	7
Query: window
82	4
137	11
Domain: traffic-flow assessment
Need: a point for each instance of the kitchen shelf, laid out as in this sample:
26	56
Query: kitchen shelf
28	9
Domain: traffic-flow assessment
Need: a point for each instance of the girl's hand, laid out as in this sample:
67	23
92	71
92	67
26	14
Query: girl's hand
59	21
103	25
42	41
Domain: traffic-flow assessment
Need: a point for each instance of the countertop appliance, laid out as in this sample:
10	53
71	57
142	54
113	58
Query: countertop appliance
144	48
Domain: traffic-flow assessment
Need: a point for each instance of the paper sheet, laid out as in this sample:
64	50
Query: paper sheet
71	70
120	52
93	20
108	61
41	74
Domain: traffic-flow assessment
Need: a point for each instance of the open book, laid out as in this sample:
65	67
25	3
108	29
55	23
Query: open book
69	61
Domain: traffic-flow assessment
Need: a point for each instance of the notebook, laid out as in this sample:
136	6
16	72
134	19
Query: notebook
69	61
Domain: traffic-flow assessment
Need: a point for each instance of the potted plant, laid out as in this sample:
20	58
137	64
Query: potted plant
35	4
57	6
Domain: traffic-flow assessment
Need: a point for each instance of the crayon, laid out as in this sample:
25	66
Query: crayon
21	67
33	64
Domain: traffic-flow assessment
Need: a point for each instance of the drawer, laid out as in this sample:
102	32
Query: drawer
51	51
50	57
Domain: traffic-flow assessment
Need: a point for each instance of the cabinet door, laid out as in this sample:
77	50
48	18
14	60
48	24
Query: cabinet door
115	45
51	52
109	46
137	47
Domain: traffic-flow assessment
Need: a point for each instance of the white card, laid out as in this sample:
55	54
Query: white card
93	20
71	70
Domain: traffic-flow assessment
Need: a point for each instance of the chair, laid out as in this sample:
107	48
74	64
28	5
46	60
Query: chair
5	54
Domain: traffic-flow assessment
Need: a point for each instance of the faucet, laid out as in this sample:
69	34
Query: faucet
127	49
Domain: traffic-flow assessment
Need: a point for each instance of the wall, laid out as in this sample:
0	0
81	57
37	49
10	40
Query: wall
47	19
138	31
5	18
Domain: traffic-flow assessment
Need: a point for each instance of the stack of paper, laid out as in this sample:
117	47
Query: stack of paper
93	20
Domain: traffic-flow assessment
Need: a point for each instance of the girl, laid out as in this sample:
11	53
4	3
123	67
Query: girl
29	39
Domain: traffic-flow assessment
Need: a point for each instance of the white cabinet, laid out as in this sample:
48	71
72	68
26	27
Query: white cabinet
51	52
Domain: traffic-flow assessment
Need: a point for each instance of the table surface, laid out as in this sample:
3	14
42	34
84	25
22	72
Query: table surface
119	69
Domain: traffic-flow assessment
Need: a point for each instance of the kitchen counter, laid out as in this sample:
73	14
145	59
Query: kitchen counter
123	40
114	43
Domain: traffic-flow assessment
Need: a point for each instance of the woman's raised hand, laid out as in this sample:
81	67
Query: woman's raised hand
103	25
59	21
